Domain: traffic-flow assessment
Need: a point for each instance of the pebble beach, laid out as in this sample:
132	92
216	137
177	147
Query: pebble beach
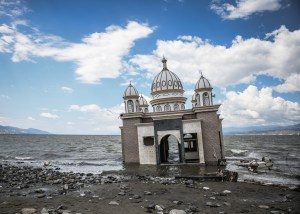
26	189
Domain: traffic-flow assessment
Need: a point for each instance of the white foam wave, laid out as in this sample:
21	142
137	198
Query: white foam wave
238	151
24	158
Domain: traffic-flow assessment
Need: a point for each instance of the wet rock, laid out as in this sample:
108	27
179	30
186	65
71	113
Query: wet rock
175	211
147	193
47	211
122	193
274	212
177	202
189	182
114	203
29	211
39	191
226	203
150	207
158	208
193	209
66	187
136	196
225	193
212	198
263	206
206	188
40	196
124	187
47	163
210	204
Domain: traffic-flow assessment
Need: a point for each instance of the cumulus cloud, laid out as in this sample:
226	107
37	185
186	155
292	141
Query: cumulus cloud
291	84
99	55
276	55
49	115
31	118
244	8
100	120
258	107
67	89
12	8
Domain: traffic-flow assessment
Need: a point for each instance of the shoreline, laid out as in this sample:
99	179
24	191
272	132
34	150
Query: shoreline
51	191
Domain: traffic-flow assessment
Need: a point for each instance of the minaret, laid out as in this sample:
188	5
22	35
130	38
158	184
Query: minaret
143	104
203	93
131	99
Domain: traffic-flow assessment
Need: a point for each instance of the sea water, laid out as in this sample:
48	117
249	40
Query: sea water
97	154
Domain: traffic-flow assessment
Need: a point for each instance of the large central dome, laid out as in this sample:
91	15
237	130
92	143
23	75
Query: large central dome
166	81
167	91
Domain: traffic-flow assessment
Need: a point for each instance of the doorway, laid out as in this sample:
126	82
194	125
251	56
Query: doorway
169	149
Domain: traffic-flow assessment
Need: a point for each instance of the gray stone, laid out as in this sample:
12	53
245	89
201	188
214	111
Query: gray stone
212	204
175	211
225	193
57	181
40	196
264	206
66	187
121	193
227	204
147	193
274	212
114	203
29	211
158	208
206	188
136	196
177	202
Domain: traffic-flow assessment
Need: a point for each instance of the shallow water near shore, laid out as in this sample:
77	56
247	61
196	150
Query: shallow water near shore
98	154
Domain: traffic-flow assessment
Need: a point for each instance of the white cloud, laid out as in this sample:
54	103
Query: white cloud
31	118
49	115
85	108
67	89
244	8
291	84
258	107
91	63
100	120
276	56
12	8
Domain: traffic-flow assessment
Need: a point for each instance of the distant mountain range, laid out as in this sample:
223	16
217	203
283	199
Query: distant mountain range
15	130
272	130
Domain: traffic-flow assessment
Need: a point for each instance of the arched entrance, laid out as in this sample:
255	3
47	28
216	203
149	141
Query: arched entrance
169	149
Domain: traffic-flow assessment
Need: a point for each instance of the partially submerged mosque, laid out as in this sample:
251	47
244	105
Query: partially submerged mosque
171	133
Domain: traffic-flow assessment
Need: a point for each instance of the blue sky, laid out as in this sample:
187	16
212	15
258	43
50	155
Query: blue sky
64	65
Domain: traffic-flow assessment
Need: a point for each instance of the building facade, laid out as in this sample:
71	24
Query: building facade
171	133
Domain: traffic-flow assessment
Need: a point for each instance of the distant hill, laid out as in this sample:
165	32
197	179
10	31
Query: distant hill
272	130
15	130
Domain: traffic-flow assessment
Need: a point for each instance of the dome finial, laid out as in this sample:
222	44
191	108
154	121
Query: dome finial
164	61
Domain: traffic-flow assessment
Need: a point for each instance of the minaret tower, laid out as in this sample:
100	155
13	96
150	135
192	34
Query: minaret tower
131	99
203	93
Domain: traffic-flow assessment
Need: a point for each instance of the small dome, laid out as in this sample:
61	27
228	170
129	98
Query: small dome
143	101
130	91
166	80
202	83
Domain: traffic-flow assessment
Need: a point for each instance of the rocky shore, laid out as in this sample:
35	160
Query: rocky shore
45	190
